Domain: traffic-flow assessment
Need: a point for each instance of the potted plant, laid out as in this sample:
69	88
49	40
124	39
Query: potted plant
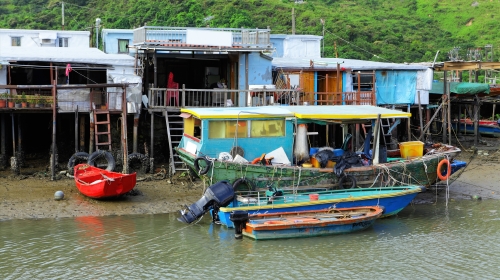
49	102
17	101
11	101
31	101
24	100
3	99
40	102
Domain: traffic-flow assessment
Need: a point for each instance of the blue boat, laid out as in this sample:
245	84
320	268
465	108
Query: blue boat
485	128
391	199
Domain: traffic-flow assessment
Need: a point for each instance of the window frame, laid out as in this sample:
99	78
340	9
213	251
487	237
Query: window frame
18	40
63	42
120	41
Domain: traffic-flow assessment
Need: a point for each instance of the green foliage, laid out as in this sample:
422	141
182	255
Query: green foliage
391	31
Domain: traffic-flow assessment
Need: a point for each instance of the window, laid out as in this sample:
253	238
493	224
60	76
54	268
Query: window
258	128
63	42
122	46
227	129
267	128
16	41
365	81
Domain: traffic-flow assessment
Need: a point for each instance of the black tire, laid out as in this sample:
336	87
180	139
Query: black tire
198	168
140	158
347	178
77	158
102	154
237	150
243	181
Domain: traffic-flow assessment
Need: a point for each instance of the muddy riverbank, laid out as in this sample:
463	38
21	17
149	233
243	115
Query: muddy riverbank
31	195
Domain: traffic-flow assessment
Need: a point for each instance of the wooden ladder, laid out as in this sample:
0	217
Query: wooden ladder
102	128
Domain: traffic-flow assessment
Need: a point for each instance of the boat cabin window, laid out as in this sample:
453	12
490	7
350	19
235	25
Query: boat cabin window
267	128
258	128
227	129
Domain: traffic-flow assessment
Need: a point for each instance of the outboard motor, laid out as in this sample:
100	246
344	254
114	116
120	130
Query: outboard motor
239	219
219	194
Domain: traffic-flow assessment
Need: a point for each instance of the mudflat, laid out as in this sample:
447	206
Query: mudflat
31	194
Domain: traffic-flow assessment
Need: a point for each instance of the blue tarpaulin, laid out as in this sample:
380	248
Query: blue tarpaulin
395	87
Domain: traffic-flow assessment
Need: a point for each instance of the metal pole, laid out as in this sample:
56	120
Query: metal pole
136	126
124	130
53	162
3	148
76	129
62	12
152	147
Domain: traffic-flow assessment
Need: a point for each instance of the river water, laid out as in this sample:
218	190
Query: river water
461	240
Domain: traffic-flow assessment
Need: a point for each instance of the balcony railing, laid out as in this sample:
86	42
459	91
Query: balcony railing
209	98
177	36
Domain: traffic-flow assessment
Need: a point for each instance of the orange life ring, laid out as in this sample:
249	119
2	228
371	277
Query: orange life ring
448	171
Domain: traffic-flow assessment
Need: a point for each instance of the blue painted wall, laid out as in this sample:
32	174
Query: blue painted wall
253	147
259	73
110	39
277	42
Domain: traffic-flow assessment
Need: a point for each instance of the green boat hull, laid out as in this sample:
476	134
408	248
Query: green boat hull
419	171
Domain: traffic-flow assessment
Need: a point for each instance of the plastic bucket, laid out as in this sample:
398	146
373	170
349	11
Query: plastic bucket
313	151
313	196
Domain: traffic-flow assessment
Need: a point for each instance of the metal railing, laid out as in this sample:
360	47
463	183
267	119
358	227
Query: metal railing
177	36
209	98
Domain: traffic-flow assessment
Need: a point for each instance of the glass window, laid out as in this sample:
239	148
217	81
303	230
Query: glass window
122	45
16	41
63	42
267	128
227	129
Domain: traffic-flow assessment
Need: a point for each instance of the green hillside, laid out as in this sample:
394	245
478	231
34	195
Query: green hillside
394	30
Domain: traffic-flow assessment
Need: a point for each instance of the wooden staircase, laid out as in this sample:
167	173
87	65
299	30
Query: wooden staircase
102	129
175	128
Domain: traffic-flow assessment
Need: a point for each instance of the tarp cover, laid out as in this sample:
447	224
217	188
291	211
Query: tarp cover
395	87
461	88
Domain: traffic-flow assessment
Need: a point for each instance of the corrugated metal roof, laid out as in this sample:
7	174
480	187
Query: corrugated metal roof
328	64
66	55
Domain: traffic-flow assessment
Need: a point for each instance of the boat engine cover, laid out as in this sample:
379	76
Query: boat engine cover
220	193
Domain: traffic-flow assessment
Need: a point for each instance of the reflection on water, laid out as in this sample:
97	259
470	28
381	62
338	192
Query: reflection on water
423	241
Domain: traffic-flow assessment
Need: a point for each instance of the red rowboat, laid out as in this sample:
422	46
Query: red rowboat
99	183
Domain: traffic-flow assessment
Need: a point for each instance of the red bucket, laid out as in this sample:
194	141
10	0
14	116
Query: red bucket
313	196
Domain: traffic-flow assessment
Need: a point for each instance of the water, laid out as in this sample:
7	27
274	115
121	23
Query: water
422	242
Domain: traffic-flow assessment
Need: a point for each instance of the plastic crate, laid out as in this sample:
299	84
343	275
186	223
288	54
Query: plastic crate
411	149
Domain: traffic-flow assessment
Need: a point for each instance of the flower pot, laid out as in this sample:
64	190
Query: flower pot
11	104
24	104
31	105
18	105
3	103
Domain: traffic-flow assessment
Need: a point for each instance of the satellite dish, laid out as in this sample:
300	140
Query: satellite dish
237	150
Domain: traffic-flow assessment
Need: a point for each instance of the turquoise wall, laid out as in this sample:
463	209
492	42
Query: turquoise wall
253	147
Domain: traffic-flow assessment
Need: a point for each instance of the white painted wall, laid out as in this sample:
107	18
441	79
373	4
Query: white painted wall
34	38
306	46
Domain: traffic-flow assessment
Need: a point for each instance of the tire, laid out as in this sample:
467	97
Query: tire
198	168
79	157
102	154
140	158
346	178
242	181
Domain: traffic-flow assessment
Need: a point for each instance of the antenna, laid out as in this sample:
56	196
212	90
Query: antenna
62	12
293	21
97	25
